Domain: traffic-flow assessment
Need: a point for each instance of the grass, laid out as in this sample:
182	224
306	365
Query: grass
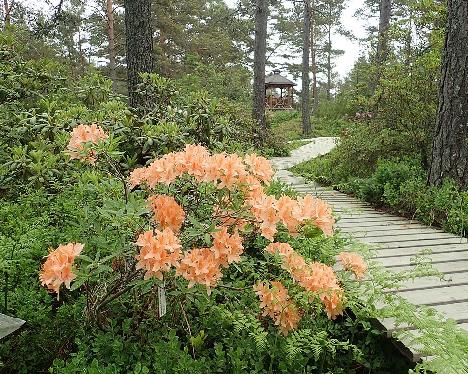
287	124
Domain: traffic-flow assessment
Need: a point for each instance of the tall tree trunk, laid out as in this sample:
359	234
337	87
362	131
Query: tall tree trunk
329	65
261	22
139	43
111	40
7	13
409	40
305	70
382	43
81	57
313	55
450	146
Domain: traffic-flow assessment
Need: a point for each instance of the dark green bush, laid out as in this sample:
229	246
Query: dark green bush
400	184
41	101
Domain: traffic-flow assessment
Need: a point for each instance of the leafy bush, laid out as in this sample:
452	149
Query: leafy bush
40	101
110	320
402	185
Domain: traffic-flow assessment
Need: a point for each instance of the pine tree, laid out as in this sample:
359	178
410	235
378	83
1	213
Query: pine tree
450	146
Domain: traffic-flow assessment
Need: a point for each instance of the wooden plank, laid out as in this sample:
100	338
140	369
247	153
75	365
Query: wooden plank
417	243
455	311
397	231
398	240
379	224
437	296
405	236
436	258
363	220
446	267
434	282
390	324
413	251
373	214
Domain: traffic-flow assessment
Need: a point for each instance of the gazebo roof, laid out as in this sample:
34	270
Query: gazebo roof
275	79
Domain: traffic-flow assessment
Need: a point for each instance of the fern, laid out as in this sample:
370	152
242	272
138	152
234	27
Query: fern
247	324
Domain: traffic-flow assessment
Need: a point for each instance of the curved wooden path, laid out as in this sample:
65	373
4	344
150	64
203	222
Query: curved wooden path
397	240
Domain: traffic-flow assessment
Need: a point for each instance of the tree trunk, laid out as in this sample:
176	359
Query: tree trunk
139	43
305	70
450	146
382	43
329	66
313	55
7	14
261	22
111	40
409	40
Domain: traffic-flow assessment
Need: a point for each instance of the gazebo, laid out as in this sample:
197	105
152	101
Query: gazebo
278	92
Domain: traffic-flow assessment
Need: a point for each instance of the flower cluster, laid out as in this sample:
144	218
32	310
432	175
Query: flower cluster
224	170
269	211
277	304
314	277
203	265
200	266
354	262
227	248
231	171
158	253
81	135
167	212
57	269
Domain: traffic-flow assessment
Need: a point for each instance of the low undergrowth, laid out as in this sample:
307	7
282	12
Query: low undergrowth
398	184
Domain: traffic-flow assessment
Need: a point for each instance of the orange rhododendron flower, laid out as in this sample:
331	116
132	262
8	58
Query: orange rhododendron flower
354	262
314	277
57	269
201	266
265	212
333	301
167	212
223	170
324	218
252	188
260	167
137	176
196	159
318	211
231	171
158	253
81	135
282	249
227	248
288	213
276	304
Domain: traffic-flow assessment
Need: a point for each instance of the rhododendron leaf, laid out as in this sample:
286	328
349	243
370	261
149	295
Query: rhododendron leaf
85	258
195	222
103	269
77	283
207	239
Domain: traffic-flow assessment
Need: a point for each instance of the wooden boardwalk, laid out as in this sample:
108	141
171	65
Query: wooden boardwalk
397	240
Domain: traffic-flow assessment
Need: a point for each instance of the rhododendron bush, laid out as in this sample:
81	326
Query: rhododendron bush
202	212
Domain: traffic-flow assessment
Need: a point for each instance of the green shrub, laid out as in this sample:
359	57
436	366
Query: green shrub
40	101
400	184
